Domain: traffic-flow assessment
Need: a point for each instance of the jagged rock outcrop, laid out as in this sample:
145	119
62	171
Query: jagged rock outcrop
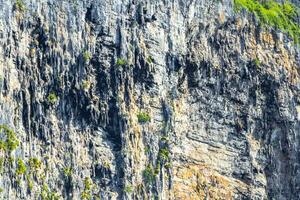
170	99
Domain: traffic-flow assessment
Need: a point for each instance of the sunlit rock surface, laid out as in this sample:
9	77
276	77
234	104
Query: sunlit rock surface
219	95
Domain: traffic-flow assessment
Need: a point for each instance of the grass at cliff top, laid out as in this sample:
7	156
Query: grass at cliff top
270	13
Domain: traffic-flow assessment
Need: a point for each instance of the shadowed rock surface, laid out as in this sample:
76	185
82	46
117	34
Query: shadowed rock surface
156	99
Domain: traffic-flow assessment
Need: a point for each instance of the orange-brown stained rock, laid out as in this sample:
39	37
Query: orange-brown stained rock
197	182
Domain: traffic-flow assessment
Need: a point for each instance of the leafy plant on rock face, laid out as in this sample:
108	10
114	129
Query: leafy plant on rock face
121	62
128	189
164	154
257	62
149	60
68	171
157	168
46	194
143	117
86	84
87	56
86	194
88	183
34	164
10	142
168	165
1	163
29	182
148	174
52	98
11	160
270	13
20	6
21	167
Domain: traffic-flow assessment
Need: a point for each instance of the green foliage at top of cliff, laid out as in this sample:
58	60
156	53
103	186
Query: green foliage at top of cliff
281	16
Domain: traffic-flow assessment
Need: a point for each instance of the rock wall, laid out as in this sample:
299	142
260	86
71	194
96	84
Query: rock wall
155	99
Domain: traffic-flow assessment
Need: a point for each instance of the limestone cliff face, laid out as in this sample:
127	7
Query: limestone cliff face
154	99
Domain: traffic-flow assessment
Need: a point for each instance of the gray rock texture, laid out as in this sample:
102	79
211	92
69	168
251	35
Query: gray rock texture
153	99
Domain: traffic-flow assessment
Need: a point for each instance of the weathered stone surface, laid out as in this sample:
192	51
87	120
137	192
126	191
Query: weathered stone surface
223	125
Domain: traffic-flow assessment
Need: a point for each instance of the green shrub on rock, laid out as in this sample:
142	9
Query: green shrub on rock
149	174
257	62
86	84
128	189
34	163
121	62
87	56
143	117
68	171
86	194
10	142
21	167
149	60
20	6
52	98
164	154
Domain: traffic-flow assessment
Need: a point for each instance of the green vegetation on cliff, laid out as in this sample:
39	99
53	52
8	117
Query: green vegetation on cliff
87	56
52	98
88	184
20	6
21	168
281	16
10	142
143	117
35	163
148	174
121	62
